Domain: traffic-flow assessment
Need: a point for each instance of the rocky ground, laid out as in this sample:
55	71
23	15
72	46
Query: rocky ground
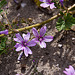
59	54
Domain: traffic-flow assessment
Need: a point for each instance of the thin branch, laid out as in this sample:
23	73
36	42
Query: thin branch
7	20
38	24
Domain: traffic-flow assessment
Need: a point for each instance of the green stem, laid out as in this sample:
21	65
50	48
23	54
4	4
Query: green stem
38	24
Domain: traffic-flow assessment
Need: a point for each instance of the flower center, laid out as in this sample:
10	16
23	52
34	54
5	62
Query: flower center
40	39
49	1
24	43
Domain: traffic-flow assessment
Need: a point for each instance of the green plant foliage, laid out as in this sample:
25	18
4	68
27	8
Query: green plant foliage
1	11
2	45
65	23
2	3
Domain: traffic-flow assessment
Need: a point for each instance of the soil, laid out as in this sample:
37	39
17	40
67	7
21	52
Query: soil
52	60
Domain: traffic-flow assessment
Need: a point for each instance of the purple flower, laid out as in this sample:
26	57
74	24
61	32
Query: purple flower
33	60
47	3
69	71
40	38
4	32
61	1
23	43
18	74
19	58
17	24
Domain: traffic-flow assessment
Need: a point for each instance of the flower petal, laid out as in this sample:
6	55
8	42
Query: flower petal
42	44
65	72
52	6
4	32
19	48
44	0
19	37
44	5
35	40
42	31
35	32
17	40
48	38
29	50
31	43
71	69
20	55
61	1
25	52
26	37
17	45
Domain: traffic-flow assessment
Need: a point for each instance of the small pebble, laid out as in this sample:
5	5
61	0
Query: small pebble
23	5
18	14
18	62
59	45
73	38
57	65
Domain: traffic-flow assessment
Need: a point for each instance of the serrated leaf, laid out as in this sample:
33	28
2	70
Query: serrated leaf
66	23
60	26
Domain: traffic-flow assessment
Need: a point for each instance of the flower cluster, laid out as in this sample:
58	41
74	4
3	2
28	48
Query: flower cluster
47	3
24	43
69	71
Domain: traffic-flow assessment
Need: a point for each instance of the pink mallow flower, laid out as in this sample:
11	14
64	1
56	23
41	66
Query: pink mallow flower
61	1
47	3
69	71
40	38
4	32
24	44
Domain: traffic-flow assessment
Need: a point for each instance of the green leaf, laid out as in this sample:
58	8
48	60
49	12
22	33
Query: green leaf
3	51
2	3
3	42
1	11
65	23
2	45
61	13
60	24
